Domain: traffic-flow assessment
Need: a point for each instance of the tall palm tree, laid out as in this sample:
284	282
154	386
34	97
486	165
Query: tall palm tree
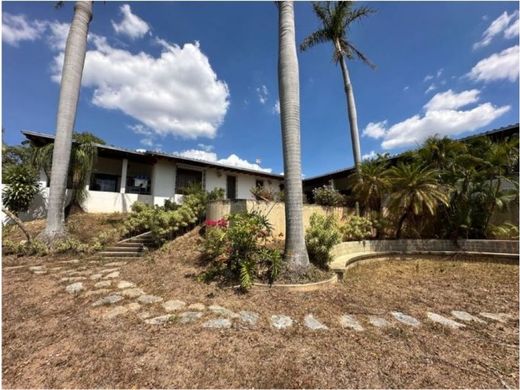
336	19
416	191
73	63
289	91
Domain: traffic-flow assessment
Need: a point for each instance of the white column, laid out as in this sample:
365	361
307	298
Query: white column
124	168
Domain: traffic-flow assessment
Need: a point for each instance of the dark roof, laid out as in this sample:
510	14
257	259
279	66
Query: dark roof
499	133
150	156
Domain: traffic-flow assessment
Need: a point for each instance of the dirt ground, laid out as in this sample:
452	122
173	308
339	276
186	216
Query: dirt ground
53	340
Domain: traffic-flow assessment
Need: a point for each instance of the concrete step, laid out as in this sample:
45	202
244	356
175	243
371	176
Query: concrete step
139	241
120	254
117	248
129	244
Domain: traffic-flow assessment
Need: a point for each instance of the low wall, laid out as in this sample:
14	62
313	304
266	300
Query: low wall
489	246
275	212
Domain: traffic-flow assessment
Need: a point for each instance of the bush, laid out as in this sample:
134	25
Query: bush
356	228
328	196
322	234
263	193
24	248
22	187
216	194
506	231
238	250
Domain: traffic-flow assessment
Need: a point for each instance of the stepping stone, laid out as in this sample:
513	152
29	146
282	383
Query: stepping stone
115	264
249	317
312	323
40	272
378	322
159	320
465	316
134	306
107	270
37	268
222	311
108	300
96	276
112	275
124	284
149	299
144	315
280	321
116	311
132	292
54	269
79	273
348	321
74	288
500	317
104	283
406	319
197	307
173	305
72	279
219	323
74	261
190	316
444	321
97	292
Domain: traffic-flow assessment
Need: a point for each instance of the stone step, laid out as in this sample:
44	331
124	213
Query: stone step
117	248
129	244
145	241
120	254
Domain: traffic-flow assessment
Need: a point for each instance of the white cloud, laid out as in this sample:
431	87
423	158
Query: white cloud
514	28
498	66
431	88
369	156
57	36
276	107
131	25
506	23
263	94
450	100
442	118
207	148
17	28
439	72
177	93
232	160
428	77
375	130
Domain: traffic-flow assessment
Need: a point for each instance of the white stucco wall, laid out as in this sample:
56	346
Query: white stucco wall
163	181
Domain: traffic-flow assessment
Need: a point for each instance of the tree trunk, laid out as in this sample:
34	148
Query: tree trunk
73	63
18	222
289	92
401	222
351	109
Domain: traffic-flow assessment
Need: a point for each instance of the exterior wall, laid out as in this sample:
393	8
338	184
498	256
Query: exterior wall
216	179
110	202
275	212
163	181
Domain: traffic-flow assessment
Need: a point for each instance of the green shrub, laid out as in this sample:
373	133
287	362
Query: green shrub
24	248
328	196
22	186
356	228
506	231
322	234
239	250
216	194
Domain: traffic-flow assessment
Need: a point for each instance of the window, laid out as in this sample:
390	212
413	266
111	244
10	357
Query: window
231	187
259	183
104	182
186	178
138	185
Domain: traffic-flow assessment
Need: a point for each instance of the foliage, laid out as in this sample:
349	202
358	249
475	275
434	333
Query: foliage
323	233
506	231
328	196
216	194
24	248
238	249
263	193
21	187
357	228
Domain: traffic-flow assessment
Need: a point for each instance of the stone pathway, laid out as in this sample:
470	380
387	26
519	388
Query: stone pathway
113	298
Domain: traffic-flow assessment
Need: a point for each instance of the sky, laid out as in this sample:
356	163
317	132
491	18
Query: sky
200	79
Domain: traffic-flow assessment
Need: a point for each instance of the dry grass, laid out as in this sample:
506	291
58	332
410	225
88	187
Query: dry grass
51	339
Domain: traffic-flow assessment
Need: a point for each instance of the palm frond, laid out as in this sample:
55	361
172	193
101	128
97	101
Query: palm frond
315	38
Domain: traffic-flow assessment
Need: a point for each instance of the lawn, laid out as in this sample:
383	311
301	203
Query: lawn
54	339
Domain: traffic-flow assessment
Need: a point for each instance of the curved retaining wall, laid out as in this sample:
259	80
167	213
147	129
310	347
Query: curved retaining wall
485	246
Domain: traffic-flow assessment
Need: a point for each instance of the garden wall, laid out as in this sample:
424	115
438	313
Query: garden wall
275	211
490	246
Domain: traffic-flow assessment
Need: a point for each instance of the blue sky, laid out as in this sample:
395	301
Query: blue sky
201	78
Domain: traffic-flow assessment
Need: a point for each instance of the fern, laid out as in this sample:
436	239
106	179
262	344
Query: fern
246	277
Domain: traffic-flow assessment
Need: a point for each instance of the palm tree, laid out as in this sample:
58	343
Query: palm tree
82	159
73	63
289	91
336	20
416	191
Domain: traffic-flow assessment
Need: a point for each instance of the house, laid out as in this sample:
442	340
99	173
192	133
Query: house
121	177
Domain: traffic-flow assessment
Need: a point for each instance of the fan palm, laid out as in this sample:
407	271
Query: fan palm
415	191
289	91
336	19
74	60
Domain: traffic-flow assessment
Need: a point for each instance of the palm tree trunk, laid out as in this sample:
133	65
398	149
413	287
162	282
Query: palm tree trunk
351	109
19	222
289	91
73	63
